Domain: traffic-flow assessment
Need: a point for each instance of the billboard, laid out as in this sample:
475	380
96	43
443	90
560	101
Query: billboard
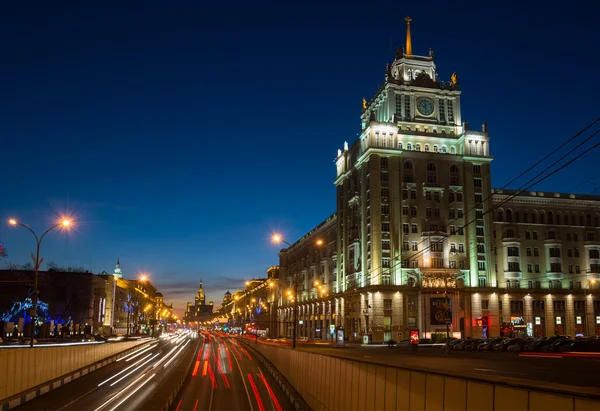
440	311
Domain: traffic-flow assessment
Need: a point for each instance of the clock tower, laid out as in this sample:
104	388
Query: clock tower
414	98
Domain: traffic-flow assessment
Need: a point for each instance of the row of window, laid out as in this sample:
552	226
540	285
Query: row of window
388	142
550	218
550	235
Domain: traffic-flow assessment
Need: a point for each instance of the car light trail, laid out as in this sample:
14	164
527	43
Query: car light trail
120	392
271	393
205	368
141	352
130	354
122	371
196	405
196	368
132	371
176	354
165	357
261	407
179	405
132	392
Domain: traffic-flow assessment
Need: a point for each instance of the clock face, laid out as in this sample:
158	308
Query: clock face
425	106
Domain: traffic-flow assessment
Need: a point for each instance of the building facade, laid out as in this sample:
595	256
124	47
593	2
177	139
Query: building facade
198	311
420	240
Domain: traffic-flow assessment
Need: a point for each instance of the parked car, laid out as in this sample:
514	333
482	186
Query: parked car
473	344
489	344
555	346
503	346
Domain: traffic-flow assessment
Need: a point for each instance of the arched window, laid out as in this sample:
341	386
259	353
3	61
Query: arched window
597	218
525	217
534	217
581	219
499	216
417	147
431	174
558	218
408	165
566	218
517	284
588	220
400	145
410	282
517	216
454	168
550	217
452	150
542	217
427	148
509	216
409	146
510	233
508	284
435	148
444	149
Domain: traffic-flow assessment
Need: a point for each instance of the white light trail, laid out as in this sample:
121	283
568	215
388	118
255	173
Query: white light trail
141	352
122	371
120	392
130	354
132	371
166	356
175	356
132	392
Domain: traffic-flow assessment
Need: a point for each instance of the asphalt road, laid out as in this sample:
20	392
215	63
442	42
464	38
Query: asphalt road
571	373
225	376
140	380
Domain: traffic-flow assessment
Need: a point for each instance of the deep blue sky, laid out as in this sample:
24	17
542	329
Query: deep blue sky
182	137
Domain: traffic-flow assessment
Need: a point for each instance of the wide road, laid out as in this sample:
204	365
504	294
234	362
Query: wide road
226	376
572	373
143	379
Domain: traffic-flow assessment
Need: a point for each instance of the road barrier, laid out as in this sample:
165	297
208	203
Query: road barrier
334	383
30	372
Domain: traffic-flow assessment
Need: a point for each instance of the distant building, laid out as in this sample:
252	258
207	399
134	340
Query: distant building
199	311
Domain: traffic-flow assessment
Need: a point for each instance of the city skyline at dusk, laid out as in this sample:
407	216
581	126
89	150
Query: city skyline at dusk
180	140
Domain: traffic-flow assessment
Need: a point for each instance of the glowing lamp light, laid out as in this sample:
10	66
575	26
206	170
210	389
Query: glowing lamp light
66	223
12	221
276	238
319	242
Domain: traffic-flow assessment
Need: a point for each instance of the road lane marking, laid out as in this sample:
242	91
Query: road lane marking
244	381
540	356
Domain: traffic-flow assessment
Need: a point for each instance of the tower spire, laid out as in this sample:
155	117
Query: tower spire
408	39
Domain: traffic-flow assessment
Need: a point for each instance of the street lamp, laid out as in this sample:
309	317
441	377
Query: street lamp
65	223
278	239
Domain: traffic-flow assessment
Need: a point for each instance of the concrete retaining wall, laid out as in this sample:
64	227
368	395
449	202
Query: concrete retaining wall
26	368
331	383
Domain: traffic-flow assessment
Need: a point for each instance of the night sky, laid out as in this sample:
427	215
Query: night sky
182	137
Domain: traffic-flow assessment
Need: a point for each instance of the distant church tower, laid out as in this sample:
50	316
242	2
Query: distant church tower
118	273
200	298
227	297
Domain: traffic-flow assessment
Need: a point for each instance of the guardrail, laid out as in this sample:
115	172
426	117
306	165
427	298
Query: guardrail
335	383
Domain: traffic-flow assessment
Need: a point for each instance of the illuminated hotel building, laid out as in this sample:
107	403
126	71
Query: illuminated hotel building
417	242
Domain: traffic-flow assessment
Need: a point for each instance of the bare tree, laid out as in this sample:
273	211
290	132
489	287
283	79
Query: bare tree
53	266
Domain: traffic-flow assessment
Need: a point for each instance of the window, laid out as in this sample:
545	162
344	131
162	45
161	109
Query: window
576	251
594	253
528	235
569	252
387	304
436	196
537	268
461	248
428	211
485	304
406	245
405	228
385	227
413	194
479	230
538	305
415	246
385	209
415	229
575	237
555	268
428	195
529	268
529	283
558	305
452	229
404	194
409	146
513	251
385	244
404	210
385	262
555	252
436	212
535	236
528	251
579	305
413	211
460	213
513	267
459	197
536	252
476	169
427	148
451	213
481	248
516	306
477	182
385	193
452	264
450	197
481	265
435	148
384	162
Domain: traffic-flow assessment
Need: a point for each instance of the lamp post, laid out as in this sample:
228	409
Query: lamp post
277	239
588	329
37	261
